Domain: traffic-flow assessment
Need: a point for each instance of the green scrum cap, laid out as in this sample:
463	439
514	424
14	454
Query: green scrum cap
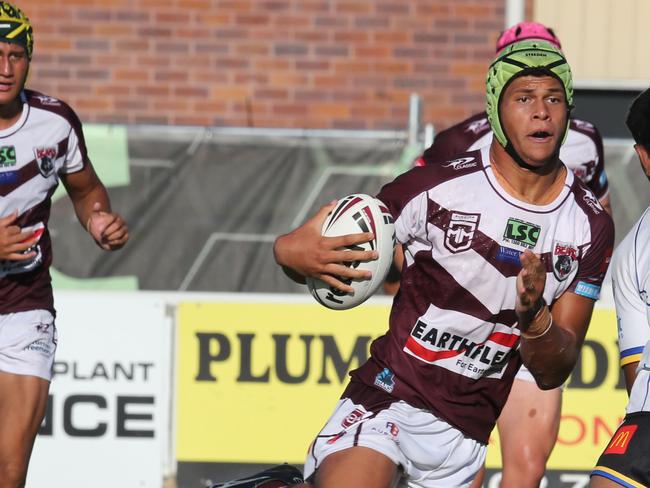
519	59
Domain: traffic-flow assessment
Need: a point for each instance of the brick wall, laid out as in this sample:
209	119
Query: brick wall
265	63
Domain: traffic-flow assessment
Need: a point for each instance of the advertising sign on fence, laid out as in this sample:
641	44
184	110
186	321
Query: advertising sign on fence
257	380
107	420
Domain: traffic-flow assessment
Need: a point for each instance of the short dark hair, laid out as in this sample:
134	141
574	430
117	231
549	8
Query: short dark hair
638	119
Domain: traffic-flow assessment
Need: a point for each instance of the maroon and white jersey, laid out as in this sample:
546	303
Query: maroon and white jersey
582	152
45	142
452	344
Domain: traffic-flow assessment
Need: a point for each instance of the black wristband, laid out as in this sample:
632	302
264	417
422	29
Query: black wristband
541	303
529	315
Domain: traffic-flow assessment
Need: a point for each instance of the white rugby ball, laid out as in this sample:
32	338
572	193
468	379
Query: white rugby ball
355	214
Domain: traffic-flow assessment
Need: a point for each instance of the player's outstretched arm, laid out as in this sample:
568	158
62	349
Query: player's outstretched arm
305	252
93	209
550	339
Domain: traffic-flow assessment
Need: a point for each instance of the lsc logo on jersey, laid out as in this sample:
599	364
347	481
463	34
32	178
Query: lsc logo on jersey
460	232
522	233
7	156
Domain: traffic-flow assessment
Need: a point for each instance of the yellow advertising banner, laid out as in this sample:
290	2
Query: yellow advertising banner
257	380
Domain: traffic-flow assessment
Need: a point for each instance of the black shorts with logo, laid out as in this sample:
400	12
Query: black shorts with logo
626	459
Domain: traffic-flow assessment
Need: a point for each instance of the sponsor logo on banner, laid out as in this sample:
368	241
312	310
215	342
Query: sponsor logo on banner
7	156
45	157
385	379
263	356
460	232
621	440
521	233
564	258
461	163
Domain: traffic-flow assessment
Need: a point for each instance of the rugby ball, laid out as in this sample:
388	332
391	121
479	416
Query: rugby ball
355	214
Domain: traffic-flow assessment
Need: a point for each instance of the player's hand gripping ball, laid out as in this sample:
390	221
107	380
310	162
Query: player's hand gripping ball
355	214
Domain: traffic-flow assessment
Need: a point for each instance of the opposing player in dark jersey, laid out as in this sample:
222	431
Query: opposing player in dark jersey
41	142
528	408
626	459
487	244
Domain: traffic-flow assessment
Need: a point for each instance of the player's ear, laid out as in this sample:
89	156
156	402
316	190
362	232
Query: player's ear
644	157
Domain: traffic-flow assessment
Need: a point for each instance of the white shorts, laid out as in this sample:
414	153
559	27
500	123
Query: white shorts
430	452
524	375
28	343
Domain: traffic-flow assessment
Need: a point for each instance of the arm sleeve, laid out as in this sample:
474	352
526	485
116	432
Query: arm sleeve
76	157
445	146
593	265
406	199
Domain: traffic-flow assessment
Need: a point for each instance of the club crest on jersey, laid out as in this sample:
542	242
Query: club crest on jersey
565	259
385	380
45	157
461	163
521	233
460	231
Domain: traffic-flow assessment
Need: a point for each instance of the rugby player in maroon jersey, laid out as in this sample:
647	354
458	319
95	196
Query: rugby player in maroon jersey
528	409
42	142
504	258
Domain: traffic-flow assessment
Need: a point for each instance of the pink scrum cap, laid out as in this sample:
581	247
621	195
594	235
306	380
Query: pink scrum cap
527	30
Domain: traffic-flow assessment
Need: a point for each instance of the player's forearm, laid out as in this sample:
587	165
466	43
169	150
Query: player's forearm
282	253
84	203
551	357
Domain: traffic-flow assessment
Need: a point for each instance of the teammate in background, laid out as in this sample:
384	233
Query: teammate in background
625	461
42	141
528	408
473	300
